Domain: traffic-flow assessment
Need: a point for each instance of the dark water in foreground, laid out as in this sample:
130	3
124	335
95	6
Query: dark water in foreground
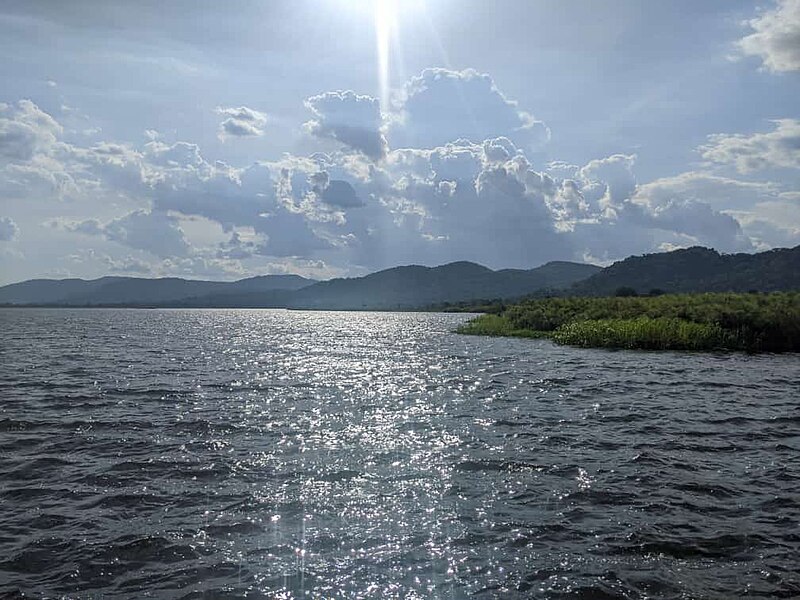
216	454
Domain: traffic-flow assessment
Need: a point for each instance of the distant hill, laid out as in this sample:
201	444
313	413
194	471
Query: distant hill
416	286
140	291
397	288
412	287
697	270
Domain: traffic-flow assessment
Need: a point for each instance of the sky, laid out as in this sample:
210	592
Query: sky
222	140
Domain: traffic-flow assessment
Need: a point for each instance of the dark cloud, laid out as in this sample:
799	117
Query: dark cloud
342	194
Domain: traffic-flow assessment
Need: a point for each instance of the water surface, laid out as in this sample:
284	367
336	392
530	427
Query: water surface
277	454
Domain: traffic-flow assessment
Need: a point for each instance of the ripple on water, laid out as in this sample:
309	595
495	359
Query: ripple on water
263	454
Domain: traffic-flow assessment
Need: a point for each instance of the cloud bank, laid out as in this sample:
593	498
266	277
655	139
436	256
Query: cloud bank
446	176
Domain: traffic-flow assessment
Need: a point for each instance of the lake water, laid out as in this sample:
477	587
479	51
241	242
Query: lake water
277	454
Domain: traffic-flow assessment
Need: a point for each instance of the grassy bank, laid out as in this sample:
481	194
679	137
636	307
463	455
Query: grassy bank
749	322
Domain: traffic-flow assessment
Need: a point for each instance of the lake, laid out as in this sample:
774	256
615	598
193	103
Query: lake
278	454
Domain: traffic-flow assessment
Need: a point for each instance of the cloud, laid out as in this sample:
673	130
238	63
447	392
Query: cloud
478	200
241	122
614	178
350	119
458	161
776	37
155	232
773	224
778	148
25	130
241	245
712	209
722	193
340	193
441	106
8	229
128	265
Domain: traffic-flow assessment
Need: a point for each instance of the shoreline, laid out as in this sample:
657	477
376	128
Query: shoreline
691	322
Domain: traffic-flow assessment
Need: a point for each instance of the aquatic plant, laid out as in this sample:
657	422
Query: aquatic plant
753	322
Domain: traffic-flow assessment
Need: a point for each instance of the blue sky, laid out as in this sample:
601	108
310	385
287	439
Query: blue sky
222	140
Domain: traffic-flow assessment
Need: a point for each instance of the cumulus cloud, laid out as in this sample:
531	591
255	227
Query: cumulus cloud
350	119
774	223
441	106
711	208
8	229
461	201
464	190
612	178
241	122
25	129
778	148
776	37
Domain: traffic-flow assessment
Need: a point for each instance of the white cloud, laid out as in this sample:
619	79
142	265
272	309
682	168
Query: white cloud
461	199
722	193
615	177
776	37
350	119
241	122
772	224
778	148
721	206
25	130
128	266
441	106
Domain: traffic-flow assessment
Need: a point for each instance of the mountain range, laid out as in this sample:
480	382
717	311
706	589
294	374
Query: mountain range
396	288
686	270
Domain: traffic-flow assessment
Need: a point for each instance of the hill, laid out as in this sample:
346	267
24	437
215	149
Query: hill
396	288
697	270
416	286
170	291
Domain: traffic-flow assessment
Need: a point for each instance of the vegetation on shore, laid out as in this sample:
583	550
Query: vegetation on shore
722	321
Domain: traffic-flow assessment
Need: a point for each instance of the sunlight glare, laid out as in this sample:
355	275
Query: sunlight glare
385	17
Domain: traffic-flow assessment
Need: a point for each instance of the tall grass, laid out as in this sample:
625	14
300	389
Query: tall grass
495	325
752	322
644	333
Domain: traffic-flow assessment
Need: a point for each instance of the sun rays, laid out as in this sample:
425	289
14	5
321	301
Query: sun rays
385	24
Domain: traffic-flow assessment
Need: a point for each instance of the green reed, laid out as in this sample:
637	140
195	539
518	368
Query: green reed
751	322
